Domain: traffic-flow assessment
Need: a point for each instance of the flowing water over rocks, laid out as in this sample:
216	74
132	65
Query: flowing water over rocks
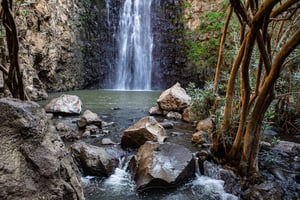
121	109
132	106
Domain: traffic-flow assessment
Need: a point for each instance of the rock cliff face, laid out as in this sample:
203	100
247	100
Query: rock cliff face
34	162
168	53
66	45
53	45
173	24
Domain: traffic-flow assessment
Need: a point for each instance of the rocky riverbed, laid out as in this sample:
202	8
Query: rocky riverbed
31	148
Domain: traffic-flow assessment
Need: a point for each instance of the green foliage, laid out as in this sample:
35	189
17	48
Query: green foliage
202	99
28	3
268	156
197	50
243	164
275	141
270	114
25	13
217	119
284	111
202	42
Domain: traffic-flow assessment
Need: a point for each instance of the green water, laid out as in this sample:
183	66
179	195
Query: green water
103	101
124	108
131	107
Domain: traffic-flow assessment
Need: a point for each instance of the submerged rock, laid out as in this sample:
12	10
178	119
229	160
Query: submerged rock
147	129
174	99
91	130
65	104
167	124
107	141
89	118
34	162
94	160
162	165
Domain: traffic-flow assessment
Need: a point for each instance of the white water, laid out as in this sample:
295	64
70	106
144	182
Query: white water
107	6
135	43
120	181
205	187
121	186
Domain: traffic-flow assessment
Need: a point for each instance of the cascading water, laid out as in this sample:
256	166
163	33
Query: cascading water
107	6
135	44
121	186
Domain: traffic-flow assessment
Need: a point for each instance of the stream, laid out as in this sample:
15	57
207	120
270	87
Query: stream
124	108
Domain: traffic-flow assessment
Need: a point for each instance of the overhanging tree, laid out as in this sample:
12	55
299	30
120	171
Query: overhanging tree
261	26
12	72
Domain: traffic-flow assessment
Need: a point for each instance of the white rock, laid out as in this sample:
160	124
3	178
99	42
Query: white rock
65	104
174	99
147	129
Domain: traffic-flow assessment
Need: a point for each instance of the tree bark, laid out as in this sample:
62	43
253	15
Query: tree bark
263	100
217	75
15	78
218	146
245	91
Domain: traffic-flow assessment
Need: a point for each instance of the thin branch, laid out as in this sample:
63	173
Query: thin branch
283	8
3	69
217	75
278	34
286	33
264	53
287	94
288	17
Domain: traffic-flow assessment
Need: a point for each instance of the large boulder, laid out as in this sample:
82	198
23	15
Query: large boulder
89	118
162	165
94	160
146	129
34	162
174	99
65	104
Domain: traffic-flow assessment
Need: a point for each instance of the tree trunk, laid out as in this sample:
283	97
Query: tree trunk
263	101
245	91
217	75
218	145
15	78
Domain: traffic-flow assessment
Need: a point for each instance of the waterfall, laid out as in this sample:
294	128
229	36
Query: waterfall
107	6
135	43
